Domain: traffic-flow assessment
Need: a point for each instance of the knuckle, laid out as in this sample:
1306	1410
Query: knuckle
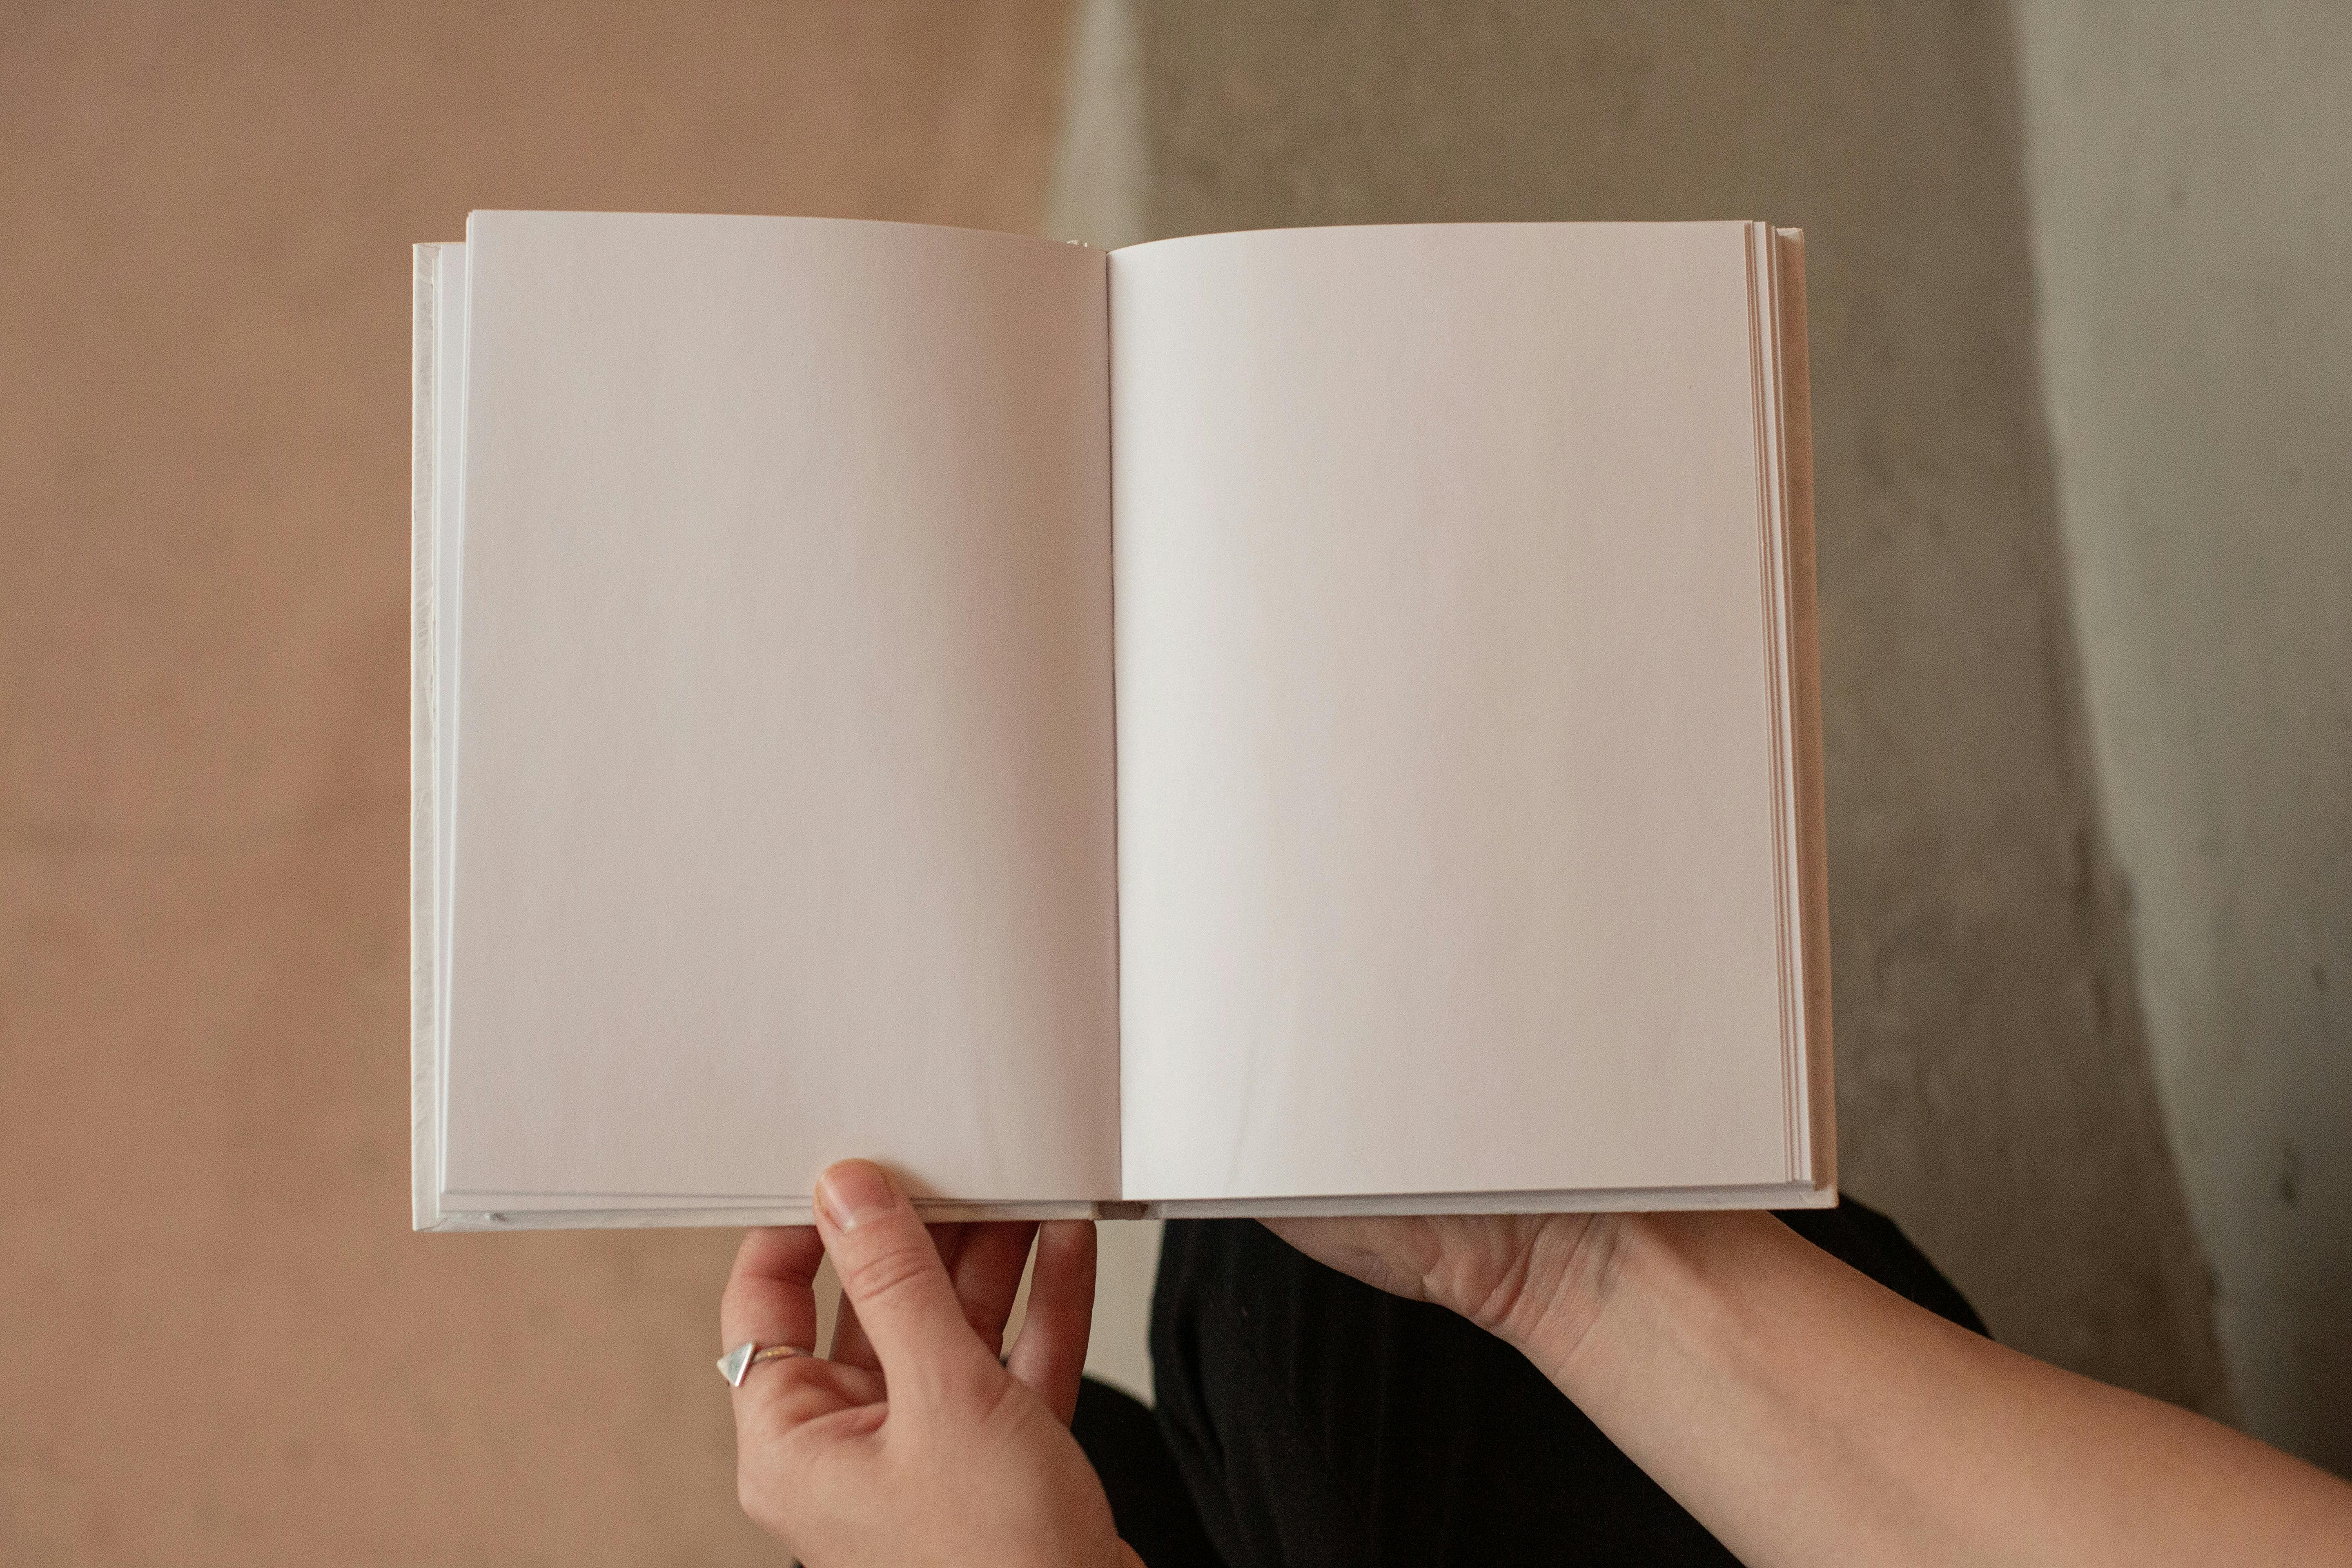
887	1274
759	1500
774	1477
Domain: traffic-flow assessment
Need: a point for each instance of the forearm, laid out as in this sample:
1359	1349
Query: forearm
1806	1415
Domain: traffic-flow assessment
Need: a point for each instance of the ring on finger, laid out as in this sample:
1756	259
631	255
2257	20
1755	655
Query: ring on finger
745	1356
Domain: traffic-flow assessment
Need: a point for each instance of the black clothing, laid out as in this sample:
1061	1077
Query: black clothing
1309	1421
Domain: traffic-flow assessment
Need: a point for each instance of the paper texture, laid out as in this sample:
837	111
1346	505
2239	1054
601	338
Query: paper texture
782	791
1452	851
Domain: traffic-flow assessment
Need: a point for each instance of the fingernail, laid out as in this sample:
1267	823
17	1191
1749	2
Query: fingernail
855	1192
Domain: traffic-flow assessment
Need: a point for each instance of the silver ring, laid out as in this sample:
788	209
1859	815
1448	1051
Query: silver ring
743	1357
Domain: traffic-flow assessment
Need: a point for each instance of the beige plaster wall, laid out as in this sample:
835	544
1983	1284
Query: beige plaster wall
219	1342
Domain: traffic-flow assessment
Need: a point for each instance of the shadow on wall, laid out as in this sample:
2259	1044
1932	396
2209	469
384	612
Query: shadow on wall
2192	231
1994	1089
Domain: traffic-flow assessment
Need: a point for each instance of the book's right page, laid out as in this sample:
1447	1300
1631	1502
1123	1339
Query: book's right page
1459	840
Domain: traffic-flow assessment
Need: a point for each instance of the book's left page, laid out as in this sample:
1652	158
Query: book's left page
775	762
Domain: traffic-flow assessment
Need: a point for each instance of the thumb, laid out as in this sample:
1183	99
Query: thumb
892	1274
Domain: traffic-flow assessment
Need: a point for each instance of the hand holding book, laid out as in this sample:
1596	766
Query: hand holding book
910	1443
1807	1415
1804	1413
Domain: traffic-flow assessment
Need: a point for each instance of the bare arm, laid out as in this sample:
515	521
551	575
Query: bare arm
1806	1415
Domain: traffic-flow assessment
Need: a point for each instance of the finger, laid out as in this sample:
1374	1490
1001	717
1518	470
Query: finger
1051	1353
850	1345
987	1274
771	1294
891	1273
771	1300
779	1396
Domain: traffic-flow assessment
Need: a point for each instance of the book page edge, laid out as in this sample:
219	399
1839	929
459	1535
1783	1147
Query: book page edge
424	1066
1616	1200
1804	626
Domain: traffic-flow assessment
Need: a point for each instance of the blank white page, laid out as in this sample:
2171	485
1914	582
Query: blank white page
1446	795
783	818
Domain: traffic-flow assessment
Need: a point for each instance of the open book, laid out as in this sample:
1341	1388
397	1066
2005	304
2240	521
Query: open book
1312	721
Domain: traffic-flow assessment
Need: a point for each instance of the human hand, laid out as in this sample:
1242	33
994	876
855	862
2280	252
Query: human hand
1537	1281
912	1444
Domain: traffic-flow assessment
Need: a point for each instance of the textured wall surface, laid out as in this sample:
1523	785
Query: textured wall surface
2191	167
219	1342
1994	1089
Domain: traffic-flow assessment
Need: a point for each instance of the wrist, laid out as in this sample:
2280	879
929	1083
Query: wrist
1642	1276
1575	1269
